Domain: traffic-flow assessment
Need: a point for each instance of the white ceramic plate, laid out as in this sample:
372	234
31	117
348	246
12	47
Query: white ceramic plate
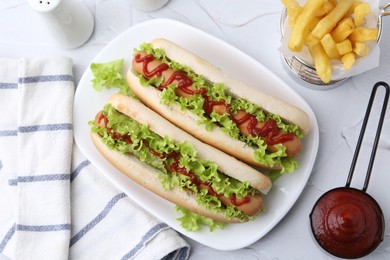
285	191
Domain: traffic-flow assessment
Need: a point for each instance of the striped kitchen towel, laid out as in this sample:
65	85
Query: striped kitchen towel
35	151
53	203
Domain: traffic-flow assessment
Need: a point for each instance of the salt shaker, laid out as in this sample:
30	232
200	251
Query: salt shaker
148	5
69	20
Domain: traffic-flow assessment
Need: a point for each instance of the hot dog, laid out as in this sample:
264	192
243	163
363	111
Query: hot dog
196	96
176	166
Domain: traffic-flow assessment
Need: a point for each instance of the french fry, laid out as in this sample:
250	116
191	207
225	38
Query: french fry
325	9
348	60
360	48
331	30
352	8
321	63
360	13
361	34
330	20
293	9
343	29
329	46
313	23
311	41
299	30
344	47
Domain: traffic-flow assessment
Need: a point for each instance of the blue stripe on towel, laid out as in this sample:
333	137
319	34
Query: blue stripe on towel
97	219
172	255
179	254
46	78
78	169
42	228
48	127
37	128
9	133
30	228
37	178
145	238
4	85
7	237
183	253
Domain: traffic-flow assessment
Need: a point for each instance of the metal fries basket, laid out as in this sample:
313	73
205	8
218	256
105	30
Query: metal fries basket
305	71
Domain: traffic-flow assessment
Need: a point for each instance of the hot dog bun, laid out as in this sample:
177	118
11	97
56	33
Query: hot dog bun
147	176
188	121
227	164
271	104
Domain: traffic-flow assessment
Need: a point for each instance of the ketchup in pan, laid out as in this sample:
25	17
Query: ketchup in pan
347	222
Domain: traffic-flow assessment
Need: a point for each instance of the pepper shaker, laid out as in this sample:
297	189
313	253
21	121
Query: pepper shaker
69	20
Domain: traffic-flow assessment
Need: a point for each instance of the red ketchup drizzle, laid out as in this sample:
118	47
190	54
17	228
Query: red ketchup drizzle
155	153
270	131
127	139
101	119
210	189
145	60
116	136
239	202
174	167
209	104
183	82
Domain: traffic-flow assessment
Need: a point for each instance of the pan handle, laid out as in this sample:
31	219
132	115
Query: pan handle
363	129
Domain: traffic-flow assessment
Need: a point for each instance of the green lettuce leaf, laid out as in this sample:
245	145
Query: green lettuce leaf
216	92
143	139
110	75
191	221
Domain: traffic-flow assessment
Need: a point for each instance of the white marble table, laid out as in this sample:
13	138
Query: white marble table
253	27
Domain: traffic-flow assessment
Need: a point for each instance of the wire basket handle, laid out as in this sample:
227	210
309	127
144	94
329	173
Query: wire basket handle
384	11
